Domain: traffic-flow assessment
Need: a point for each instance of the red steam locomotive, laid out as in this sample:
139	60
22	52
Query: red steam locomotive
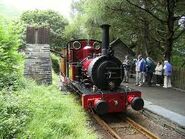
91	68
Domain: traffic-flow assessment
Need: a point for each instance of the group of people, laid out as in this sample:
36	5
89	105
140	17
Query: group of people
146	68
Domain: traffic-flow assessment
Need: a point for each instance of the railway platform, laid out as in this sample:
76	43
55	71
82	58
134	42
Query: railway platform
167	103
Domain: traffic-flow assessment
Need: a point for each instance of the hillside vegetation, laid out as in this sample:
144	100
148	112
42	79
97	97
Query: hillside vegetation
41	112
28	110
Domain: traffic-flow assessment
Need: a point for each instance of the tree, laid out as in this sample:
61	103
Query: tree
147	26
51	19
167	15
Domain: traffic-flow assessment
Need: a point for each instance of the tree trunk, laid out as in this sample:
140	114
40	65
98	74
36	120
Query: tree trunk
146	37
145	29
170	29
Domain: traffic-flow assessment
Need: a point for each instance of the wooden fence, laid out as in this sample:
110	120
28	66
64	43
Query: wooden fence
178	78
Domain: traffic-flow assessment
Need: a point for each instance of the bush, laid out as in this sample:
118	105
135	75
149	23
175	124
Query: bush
9	58
42	112
13	114
55	63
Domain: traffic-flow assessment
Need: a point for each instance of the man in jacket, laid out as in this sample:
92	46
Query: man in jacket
126	65
150	69
167	74
140	71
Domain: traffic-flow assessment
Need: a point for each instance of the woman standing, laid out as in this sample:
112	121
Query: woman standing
159	73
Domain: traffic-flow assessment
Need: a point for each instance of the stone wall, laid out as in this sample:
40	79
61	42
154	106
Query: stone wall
38	63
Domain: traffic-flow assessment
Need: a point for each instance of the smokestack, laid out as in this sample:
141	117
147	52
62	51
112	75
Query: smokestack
105	38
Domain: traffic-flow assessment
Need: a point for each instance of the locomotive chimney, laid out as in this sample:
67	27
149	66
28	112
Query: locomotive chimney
105	38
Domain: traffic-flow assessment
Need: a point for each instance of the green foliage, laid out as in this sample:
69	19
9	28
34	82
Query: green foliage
55	63
33	111
10	60
76	29
41	112
13	114
178	61
178	58
50	19
93	13
140	28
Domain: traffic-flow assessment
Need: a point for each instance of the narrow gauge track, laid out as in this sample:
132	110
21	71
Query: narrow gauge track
123	127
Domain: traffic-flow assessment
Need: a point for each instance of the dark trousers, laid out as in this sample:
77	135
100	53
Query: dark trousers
159	79
149	78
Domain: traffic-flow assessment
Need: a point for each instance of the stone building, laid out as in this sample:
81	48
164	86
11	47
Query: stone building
121	49
37	60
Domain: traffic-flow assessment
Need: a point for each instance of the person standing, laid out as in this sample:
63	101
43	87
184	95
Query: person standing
140	71
126	66
167	74
150	69
159	73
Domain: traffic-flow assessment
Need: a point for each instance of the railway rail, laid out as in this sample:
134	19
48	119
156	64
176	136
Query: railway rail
123	127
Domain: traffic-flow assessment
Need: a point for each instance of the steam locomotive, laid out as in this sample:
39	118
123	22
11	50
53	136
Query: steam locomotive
91	68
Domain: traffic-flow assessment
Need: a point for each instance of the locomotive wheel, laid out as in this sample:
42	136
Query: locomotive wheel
106	71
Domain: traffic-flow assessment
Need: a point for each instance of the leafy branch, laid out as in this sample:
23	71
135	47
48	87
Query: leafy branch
146	10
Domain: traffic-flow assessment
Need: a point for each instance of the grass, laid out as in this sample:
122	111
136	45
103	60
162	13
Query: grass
44	112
